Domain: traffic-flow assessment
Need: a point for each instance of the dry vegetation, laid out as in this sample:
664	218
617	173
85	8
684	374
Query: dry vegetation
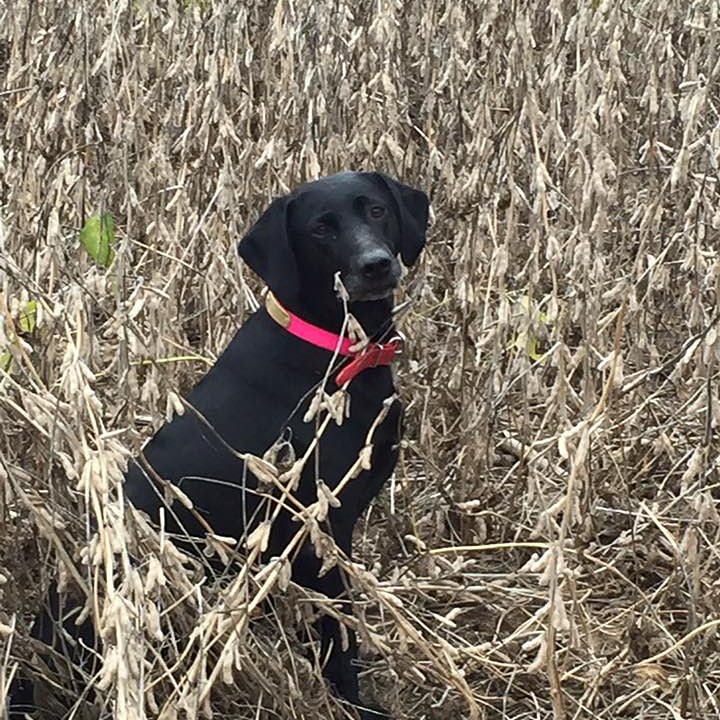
549	547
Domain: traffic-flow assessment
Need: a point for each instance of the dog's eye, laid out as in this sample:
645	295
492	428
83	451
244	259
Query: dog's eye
321	230
377	211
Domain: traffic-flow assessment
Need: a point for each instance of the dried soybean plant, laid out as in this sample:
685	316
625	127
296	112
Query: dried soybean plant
548	545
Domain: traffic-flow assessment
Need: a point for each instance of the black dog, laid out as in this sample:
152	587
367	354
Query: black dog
350	226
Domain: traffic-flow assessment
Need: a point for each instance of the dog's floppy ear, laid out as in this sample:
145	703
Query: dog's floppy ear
413	207
267	251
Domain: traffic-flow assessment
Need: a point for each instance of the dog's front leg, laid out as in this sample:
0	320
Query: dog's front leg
338	646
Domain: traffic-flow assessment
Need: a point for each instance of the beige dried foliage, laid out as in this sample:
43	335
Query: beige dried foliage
548	545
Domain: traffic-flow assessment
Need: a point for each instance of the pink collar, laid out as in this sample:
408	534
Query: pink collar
372	355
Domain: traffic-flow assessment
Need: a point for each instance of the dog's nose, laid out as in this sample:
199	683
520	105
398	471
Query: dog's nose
376	264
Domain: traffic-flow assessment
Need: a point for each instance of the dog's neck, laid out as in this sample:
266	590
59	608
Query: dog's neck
375	316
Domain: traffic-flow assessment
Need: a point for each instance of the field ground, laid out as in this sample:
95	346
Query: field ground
549	547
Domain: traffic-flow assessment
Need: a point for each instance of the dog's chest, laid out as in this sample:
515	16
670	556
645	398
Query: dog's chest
359	451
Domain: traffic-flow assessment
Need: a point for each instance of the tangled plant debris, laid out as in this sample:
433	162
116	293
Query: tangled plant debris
548	545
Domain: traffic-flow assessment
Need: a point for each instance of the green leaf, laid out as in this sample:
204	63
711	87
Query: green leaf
98	238
5	362
202	5
532	349
28	317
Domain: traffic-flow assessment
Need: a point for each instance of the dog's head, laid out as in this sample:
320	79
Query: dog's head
354	223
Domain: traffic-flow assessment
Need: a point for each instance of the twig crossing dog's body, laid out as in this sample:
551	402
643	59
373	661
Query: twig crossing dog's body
352	226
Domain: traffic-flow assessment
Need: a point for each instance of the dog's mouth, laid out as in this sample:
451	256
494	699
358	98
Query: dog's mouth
369	291
363	289
373	295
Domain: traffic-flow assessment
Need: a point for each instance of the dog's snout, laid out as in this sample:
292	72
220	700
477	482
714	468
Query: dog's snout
375	264
373	274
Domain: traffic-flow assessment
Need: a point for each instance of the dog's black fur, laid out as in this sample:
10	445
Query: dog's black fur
355	224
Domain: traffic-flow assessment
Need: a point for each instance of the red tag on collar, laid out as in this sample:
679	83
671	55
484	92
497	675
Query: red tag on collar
371	356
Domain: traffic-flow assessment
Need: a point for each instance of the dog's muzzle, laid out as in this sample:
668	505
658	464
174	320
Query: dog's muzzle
373	276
